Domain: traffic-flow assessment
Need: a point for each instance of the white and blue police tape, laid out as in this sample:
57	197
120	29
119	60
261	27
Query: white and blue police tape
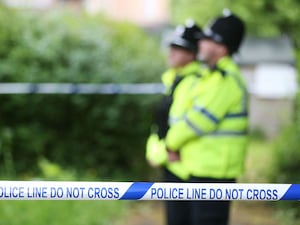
81	88
60	190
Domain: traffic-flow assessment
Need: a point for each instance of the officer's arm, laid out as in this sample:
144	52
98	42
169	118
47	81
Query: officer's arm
203	117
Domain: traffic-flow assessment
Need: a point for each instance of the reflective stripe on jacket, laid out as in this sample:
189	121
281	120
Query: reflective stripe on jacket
209	128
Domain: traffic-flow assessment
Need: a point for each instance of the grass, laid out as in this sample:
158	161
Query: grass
61	212
66	212
258	162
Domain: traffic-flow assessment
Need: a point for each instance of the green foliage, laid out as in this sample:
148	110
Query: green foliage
71	48
286	168
95	134
286	157
262	17
52	171
286	161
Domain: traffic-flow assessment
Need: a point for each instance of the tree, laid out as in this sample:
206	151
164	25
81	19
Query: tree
94	134
263	17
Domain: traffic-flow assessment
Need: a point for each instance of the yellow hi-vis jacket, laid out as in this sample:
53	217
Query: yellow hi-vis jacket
209	127
156	152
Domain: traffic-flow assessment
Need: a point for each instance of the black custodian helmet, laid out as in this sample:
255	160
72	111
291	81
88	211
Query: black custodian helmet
228	29
187	36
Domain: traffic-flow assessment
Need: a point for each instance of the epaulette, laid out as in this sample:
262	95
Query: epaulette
223	72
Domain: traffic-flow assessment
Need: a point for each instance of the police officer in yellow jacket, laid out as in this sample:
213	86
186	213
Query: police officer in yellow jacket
183	68
182	76
208	128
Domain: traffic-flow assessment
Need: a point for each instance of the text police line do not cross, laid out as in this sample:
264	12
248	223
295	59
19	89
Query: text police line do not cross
58	190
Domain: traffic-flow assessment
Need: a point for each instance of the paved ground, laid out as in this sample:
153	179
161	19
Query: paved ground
242	213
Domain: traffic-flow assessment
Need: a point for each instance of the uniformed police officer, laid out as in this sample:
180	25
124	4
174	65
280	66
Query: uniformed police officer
208	133
184	70
183	67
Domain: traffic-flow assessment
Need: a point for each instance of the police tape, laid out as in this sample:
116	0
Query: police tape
62	190
81	88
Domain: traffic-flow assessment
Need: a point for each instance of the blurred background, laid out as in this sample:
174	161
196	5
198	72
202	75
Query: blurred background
102	137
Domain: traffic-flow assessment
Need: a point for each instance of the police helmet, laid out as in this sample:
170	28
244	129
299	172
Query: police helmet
187	36
228	29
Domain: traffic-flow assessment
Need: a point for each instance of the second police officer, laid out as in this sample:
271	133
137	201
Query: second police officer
208	133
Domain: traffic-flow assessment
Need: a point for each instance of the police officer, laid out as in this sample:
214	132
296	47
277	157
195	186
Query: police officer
208	133
184	69
183	66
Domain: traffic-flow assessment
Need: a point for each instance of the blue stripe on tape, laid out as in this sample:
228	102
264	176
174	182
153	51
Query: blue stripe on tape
293	193
136	191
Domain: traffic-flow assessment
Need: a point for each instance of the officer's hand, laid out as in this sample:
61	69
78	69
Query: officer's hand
173	156
153	164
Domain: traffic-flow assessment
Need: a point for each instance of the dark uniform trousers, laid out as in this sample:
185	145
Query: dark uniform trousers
197	212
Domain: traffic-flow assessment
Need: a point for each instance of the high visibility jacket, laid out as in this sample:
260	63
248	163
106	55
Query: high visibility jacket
156	152
209	127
